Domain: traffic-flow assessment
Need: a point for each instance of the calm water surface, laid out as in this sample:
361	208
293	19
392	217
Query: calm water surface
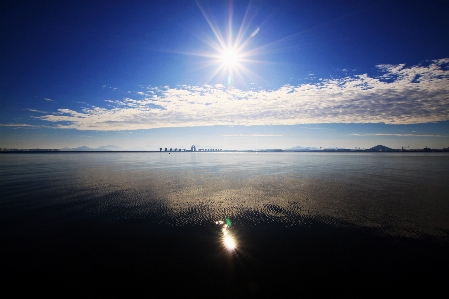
224	224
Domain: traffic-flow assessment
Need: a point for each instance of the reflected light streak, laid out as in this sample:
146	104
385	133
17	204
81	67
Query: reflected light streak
229	241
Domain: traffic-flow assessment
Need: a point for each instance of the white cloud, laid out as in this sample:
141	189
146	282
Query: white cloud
401	95
48	100
37	111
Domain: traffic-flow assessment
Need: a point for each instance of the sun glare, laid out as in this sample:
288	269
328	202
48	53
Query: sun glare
230	58
231	49
228	239
229	243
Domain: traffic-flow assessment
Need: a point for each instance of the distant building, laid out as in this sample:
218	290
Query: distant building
193	148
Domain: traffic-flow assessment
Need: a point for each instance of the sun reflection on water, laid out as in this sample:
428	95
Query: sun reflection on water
228	239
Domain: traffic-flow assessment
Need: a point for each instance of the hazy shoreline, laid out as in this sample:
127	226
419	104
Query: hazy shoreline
228	151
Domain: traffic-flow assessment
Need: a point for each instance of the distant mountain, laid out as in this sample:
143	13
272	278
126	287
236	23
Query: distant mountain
109	148
81	149
381	148
89	149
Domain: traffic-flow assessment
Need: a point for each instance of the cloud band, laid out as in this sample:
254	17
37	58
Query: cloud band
399	95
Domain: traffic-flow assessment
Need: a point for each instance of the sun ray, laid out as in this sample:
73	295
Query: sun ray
230	33
215	29
243	29
230	49
231	54
250	73
215	73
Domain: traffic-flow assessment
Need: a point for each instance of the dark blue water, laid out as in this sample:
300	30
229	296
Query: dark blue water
154	224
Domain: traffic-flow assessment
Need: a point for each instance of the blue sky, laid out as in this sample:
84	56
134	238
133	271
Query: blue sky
144	74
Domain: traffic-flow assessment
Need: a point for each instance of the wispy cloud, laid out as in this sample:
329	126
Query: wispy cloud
400	135
19	125
37	111
48	100
252	135
314	128
400	95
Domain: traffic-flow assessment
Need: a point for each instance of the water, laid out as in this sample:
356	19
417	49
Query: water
137	224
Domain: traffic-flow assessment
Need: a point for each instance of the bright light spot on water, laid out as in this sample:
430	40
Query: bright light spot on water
228	239
229	242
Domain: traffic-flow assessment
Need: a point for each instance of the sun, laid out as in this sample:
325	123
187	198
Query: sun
232	51
230	57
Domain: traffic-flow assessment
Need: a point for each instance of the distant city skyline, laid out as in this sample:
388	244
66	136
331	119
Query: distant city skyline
224	74
194	148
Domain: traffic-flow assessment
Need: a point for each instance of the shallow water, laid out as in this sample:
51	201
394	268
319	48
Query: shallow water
302	223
